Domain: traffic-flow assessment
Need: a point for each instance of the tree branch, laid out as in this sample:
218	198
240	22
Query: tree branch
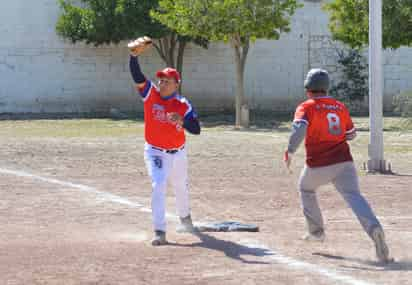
166	47
172	49
160	50
179	61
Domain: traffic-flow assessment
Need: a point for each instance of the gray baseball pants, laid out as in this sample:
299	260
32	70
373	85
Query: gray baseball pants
344	177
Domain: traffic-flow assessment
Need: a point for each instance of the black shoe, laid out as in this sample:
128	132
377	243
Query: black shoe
159	238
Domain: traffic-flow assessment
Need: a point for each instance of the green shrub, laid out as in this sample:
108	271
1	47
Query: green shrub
352	88
403	104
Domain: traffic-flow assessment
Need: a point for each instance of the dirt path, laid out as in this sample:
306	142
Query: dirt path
57	234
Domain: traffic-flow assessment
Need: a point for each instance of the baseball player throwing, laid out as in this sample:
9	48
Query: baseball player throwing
326	126
167	115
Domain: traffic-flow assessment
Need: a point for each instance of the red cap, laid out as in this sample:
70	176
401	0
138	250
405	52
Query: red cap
170	73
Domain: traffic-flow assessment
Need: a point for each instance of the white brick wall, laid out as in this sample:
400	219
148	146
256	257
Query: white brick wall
42	73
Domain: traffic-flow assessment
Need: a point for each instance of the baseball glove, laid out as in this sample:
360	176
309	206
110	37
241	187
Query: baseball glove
138	46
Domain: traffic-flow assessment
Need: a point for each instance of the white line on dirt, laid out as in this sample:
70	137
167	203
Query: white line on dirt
101	196
275	256
305	266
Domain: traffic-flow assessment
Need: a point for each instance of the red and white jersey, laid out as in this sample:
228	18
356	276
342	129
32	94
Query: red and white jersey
159	130
329	123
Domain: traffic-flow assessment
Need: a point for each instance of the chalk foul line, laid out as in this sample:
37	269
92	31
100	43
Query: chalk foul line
271	254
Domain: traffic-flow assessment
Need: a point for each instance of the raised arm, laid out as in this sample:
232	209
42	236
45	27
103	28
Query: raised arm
137	74
136	48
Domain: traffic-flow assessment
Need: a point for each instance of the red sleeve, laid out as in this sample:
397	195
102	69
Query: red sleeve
146	90
301	114
349	126
185	108
182	110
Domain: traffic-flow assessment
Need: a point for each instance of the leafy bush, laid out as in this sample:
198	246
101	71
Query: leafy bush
352	88
353	85
403	104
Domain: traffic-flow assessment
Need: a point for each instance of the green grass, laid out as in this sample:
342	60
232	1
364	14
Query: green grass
269	121
390	124
72	128
95	128
397	146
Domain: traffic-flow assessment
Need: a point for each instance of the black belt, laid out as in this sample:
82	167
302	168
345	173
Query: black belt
170	151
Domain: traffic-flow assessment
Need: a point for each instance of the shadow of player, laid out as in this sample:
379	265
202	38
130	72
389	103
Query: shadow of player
229	248
397	265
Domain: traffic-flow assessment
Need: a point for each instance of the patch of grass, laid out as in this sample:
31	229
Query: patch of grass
259	120
73	128
272	121
390	124
95	128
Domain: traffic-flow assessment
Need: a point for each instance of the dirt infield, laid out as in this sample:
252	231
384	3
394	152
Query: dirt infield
75	200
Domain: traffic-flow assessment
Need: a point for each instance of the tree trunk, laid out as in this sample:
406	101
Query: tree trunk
166	48
179	61
240	50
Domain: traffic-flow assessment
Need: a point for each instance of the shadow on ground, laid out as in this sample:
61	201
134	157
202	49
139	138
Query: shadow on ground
397	265
229	248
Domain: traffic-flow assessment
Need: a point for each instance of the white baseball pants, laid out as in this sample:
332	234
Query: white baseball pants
164	168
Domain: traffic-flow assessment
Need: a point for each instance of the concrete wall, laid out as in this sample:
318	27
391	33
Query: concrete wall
42	73
397	65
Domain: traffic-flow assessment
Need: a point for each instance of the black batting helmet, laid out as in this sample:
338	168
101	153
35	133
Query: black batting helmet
317	80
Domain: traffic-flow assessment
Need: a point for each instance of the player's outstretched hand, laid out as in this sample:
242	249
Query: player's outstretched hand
139	45
287	159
